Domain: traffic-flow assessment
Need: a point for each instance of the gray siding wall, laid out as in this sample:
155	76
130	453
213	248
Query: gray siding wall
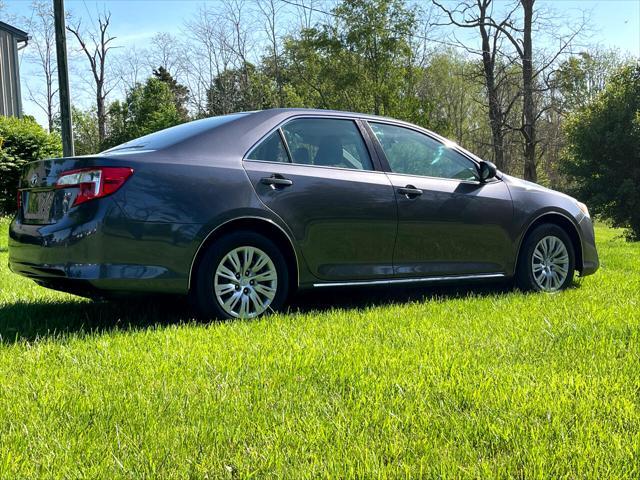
10	99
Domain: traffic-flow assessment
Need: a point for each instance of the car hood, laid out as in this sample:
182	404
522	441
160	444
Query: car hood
517	183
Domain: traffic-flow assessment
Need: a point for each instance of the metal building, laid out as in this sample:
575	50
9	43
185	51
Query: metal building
12	39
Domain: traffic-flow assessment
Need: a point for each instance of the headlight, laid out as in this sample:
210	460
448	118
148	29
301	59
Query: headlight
583	208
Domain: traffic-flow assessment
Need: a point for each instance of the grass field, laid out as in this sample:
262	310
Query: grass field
478	382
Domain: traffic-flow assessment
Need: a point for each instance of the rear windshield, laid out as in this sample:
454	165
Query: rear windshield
173	135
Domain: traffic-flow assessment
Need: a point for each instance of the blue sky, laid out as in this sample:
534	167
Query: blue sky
615	23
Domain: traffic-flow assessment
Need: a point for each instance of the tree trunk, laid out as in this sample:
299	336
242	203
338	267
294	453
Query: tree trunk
50	115
495	116
495	110
102	130
528	107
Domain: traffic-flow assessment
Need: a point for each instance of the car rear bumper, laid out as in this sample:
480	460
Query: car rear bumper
108	253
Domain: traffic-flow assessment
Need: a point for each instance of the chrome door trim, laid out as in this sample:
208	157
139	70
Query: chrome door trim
393	281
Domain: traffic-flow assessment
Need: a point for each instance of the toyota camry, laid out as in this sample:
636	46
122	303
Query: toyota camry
240	211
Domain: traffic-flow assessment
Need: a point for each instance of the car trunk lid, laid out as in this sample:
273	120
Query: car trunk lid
41	201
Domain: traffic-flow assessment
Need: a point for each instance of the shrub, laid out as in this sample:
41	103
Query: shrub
603	154
22	140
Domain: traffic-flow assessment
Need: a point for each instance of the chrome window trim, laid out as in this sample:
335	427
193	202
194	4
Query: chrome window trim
314	166
470	182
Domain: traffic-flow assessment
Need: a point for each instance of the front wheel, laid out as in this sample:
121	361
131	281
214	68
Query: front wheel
547	260
242	275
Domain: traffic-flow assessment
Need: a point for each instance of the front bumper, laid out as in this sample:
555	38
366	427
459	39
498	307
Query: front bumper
590	260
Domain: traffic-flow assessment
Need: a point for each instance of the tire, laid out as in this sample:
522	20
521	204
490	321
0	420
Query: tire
546	272
223	291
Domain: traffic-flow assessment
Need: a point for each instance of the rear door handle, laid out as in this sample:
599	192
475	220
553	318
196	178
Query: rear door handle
410	191
276	181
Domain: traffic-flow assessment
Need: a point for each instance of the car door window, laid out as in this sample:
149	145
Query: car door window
412	153
271	149
327	142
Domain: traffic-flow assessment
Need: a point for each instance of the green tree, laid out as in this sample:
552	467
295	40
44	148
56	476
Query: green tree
86	139
575	83
362	60
147	108
241	89
581	77
603	153
180	92
22	140
457	111
85	131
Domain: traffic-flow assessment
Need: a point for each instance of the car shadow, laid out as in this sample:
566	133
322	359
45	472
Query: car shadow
29	321
321	299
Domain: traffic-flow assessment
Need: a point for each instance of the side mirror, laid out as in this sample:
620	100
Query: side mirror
487	171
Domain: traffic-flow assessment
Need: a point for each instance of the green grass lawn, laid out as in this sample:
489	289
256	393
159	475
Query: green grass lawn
479	382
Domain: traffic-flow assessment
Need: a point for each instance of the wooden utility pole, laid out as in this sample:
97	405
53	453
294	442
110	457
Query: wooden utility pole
63	78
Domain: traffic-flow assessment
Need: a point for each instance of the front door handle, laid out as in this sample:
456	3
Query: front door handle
410	191
276	181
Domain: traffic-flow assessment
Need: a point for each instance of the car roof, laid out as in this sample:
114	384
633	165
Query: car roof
230	136
323	112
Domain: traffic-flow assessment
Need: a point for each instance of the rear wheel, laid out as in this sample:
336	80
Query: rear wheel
242	275
547	260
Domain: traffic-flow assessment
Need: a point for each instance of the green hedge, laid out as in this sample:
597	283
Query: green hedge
22	140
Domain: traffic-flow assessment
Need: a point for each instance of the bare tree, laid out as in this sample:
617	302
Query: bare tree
206	55
270	10
241	36
130	66
165	52
535	79
96	44
222	45
308	11
493	30
528	110
42	56
475	14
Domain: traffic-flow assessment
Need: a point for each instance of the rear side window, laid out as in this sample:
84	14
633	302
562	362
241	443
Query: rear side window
327	142
270	150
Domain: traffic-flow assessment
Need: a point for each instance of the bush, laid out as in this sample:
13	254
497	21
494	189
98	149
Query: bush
22	141
603	154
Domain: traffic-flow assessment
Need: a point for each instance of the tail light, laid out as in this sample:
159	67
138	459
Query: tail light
19	200
95	182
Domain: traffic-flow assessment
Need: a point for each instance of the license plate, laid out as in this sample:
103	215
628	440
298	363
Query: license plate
38	205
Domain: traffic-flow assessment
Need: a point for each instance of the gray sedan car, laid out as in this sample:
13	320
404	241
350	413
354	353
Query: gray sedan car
240	211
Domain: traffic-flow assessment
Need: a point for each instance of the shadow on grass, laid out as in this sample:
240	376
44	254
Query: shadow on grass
321	299
22	321
27	321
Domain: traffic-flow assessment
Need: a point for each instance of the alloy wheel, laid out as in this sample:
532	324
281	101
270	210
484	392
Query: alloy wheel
550	263
245	282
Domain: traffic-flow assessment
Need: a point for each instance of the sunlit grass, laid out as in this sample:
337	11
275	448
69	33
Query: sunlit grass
486	383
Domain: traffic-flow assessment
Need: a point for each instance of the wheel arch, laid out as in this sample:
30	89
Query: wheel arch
263	226
562	221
